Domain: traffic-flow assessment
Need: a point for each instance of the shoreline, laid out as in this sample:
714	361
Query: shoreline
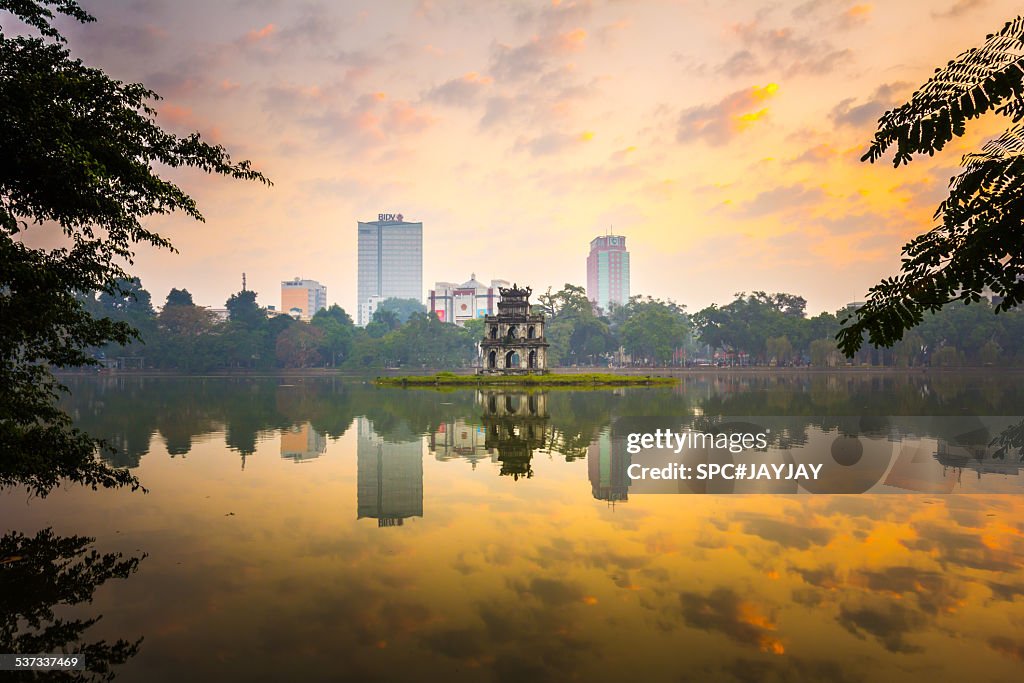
373	373
546	380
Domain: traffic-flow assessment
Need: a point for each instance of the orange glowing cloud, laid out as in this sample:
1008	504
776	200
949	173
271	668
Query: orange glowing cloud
257	35
718	123
572	41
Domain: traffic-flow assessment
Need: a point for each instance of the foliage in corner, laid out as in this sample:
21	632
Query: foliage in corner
978	242
78	154
43	578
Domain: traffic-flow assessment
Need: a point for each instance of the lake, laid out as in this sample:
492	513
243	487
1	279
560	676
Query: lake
324	529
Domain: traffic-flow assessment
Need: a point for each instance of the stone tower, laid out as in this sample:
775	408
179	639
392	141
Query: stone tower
513	342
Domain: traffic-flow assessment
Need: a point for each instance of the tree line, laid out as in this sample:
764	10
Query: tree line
190	338
756	329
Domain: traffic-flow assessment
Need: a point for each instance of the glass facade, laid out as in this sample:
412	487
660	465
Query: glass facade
390	262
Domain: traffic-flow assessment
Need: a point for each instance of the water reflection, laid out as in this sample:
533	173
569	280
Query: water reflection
608	464
277	572
390	486
460	438
508	428
515	425
45	580
302	443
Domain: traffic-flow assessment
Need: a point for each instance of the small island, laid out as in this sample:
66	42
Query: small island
445	379
513	353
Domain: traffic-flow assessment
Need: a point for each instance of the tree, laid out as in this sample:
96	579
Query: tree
243	309
275	327
384	320
179	297
129	303
653	333
402	308
779	349
825	354
576	335
978	242
299	346
78	150
338	332
746	324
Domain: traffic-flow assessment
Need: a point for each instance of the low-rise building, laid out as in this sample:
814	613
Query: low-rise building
301	299
457	303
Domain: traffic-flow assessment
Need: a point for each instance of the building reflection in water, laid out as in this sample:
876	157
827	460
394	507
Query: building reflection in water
389	476
608	467
461	439
302	443
515	425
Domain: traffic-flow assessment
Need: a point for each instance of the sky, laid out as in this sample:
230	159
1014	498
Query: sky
721	138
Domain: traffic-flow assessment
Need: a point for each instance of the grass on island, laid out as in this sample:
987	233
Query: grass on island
549	380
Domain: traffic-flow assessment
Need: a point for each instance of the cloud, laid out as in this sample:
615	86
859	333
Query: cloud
1008	647
823	577
551	592
718	123
554	143
889	622
781	199
818	154
1006	591
780	50
608	35
793	669
462	91
539	105
858	115
740	63
855	16
260	34
933	592
366	122
462	643
964	549
787	534
533	57
723	611
960	8
556	16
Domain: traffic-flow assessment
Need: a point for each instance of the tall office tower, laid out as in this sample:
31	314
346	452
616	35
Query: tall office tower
608	271
302	298
390	263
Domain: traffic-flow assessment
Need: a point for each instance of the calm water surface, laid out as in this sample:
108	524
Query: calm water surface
300	529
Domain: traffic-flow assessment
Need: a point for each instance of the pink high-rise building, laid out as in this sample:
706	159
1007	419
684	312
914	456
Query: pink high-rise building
608	271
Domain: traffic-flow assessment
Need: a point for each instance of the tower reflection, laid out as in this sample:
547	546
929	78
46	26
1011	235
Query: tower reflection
515	425
389	476
607	468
